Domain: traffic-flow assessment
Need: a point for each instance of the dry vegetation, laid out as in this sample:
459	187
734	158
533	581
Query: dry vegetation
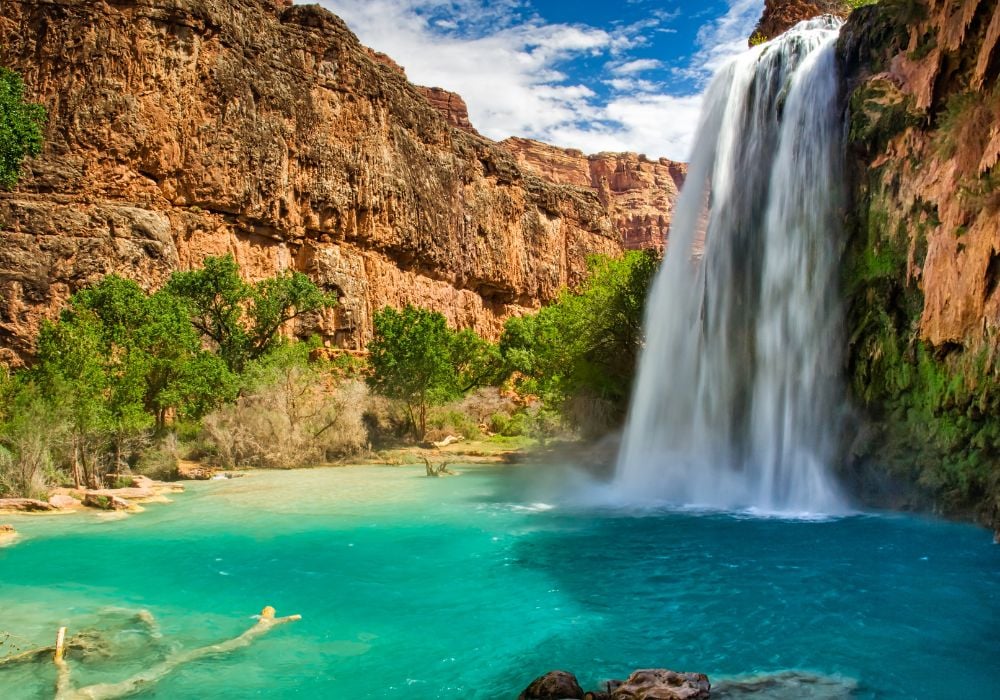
297	418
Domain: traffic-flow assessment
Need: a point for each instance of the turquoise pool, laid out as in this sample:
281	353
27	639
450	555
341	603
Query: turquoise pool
468	587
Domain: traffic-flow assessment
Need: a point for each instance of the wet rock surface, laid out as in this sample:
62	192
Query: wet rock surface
554	685
645	684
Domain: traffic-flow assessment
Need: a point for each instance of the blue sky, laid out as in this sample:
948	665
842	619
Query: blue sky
614	75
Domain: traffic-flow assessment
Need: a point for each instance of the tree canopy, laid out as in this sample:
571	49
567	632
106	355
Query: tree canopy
242	319
416	359
587	344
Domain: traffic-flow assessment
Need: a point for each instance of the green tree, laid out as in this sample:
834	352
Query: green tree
241	319
117	363
155	356
21	125
71	375
586	345
476	362
416	359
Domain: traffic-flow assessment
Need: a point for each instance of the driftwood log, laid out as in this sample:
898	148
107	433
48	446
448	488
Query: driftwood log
65	690
437	470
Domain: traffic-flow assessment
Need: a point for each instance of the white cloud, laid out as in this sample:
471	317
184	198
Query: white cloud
723	38
638	65
632	85
508	67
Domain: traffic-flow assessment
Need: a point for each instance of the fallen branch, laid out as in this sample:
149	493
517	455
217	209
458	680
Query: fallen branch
108	691
441	469
86	642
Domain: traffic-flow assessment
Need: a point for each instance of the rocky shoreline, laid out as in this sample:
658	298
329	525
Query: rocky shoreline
645	684
663	684
140	489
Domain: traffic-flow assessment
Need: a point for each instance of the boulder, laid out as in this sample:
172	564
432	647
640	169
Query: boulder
199	473
7	535
64	501
604	693
661	684
554	685
103	501
25	505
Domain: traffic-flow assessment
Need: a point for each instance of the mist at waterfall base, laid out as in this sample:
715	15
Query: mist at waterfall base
737	398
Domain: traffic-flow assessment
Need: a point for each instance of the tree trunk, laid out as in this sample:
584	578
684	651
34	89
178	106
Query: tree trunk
76	464
423	421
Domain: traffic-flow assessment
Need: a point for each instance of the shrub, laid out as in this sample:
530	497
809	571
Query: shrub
449	421
29	442
161	461
483	403
294	417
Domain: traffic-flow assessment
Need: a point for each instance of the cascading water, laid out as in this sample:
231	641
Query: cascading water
737	398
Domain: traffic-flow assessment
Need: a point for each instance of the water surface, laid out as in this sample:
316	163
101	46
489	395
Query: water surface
468	587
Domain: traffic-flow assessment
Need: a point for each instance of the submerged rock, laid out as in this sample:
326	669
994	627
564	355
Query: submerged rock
554	685
661	684
787	685
7	535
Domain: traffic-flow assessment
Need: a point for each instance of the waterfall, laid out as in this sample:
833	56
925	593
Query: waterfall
737	399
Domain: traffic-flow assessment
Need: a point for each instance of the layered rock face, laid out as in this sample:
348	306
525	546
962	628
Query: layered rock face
781	15
185	128
922	266
639	193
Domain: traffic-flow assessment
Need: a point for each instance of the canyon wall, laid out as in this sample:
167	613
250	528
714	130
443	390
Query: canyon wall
638	193
781	15
922	262
184	128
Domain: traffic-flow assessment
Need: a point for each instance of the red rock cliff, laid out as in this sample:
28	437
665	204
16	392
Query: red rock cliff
922	266
185	128
781	15
639	193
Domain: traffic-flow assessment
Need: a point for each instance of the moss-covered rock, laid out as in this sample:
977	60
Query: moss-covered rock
923	231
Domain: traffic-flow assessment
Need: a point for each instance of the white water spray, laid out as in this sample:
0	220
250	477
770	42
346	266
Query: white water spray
737	398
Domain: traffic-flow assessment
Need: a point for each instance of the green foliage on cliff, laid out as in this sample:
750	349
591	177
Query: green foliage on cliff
580	354
931	413
21	125
936	411
878	111
417	359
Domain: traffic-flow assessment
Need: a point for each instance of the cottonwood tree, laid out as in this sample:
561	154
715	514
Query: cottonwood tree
243	319
416	359
116	363
584	348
